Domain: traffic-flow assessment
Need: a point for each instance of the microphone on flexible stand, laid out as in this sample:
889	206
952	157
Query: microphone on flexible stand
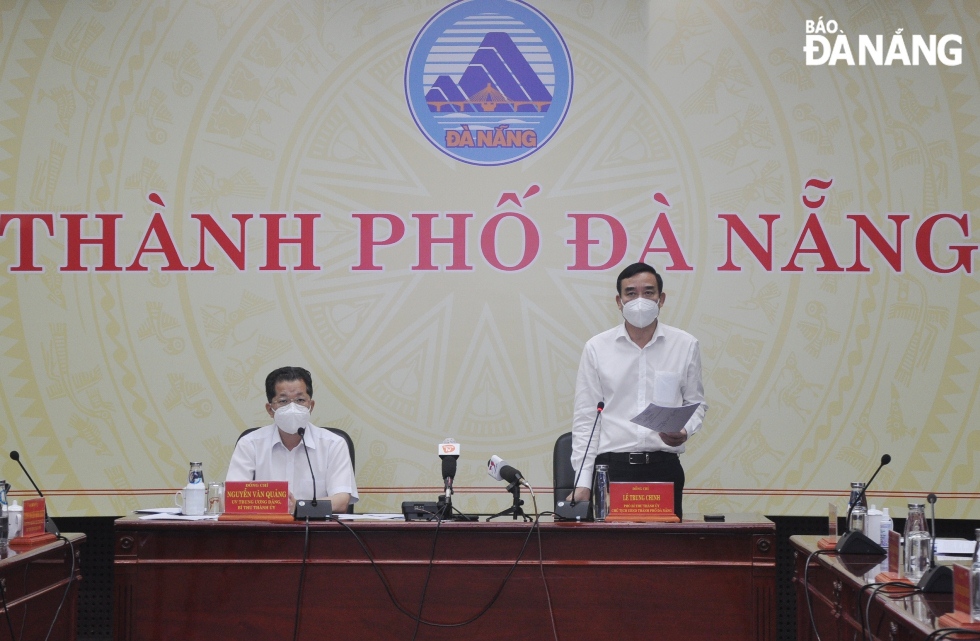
578	510
501	471
49	525
938	578
312	510
855	541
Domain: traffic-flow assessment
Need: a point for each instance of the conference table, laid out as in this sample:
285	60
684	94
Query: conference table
40	586
832	589
495	580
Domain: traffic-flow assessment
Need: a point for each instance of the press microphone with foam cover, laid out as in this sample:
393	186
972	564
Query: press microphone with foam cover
501	471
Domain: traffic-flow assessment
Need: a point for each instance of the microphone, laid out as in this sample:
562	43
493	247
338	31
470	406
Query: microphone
449	451
312	510
598	412
855	542
501	471
49	525
938	578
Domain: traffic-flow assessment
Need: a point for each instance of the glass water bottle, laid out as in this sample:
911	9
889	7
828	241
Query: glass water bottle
196	473
918	543
601	503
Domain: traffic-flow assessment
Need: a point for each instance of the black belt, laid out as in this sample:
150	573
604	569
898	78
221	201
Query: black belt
634	458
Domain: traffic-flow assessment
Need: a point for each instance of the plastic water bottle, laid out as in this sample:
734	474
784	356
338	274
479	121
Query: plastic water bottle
887	525
601	504
196	473
975	580
918	543
4	518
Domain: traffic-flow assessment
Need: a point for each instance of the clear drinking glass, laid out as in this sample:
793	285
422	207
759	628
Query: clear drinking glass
918	543
859	517
975	579
216	497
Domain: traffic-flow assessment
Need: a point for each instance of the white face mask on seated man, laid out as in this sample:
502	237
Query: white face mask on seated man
290	418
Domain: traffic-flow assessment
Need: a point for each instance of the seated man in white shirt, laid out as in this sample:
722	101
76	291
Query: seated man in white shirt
639	362
278	452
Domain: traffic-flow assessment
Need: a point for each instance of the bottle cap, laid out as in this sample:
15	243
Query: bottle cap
884	512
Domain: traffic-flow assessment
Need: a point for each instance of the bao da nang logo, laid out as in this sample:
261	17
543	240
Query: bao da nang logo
488	81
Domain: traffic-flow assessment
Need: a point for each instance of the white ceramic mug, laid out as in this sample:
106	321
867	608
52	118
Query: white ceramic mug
192	500
16	524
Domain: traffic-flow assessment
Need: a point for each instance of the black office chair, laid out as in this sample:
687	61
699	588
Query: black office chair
562	470
336	430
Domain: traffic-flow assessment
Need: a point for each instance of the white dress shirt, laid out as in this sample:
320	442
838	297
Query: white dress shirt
627	378
261	456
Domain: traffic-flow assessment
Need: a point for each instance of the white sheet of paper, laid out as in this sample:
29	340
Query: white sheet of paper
158	510
665	419
165	516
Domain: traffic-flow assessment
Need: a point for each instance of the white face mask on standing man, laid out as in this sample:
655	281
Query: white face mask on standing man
641	312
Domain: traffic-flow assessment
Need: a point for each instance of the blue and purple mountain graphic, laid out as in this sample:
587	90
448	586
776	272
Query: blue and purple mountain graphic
498	78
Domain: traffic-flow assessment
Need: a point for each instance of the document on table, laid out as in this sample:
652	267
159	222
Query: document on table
665	419
370	517
167	516
955	547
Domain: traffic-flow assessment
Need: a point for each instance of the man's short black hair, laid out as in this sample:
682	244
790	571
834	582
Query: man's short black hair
633	270
287	374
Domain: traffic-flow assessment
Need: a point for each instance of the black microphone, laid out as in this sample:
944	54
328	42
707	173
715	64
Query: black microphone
49	525
598	412
449	451
938	578
855	541
312	511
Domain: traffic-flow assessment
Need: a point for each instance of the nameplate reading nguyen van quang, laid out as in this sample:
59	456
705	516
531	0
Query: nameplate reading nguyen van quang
257	497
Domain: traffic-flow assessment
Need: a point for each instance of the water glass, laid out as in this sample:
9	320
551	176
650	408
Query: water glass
918	552
216	497
859	517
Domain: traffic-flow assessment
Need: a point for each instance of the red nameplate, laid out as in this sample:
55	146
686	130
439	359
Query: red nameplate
256	497
963	620
894	550
641	502
892	577
33	534
961	589
33	517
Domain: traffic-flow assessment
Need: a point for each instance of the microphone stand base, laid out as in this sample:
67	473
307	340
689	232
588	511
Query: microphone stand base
515	510
937	580
572	511
855	542
308	511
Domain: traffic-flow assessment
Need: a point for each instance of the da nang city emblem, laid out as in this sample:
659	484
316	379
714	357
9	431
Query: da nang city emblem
488	81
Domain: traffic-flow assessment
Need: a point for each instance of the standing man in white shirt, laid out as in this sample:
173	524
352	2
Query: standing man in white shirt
639	362
277	452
